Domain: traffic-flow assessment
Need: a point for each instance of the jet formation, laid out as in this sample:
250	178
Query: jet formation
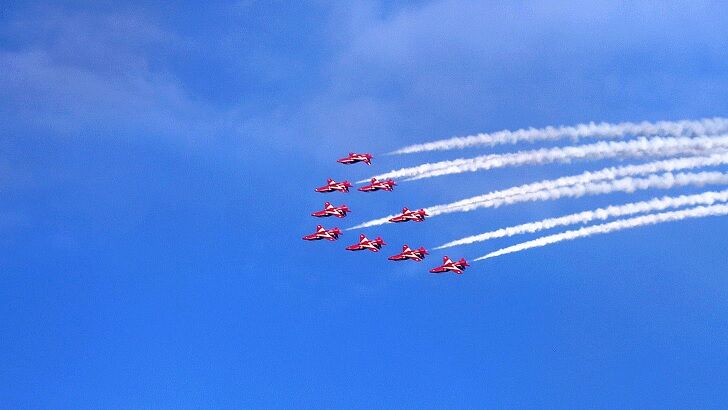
375	245
412	254
323	233
407	215
353	158
448	265
330	210
367	244
332	186
375	185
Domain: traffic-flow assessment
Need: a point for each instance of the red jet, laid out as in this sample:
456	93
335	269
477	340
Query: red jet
330	210
353	158
407	253
332	186
407	215
364	243
375	185
322	233
449	266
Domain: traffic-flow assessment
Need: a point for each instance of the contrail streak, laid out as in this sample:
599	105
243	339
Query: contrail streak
653	205
610	173
708	126
629	184
651	219
637	148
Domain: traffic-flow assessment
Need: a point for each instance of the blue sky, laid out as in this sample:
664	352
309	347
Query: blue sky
156	172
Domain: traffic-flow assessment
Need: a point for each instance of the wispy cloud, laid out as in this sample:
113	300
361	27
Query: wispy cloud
622	224
97	73
653	205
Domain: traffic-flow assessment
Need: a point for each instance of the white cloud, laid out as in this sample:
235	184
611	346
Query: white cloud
78	73
394	75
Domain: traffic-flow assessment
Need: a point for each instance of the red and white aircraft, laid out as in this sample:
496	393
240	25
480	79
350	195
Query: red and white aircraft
330	210
353	158
449	266
364	243
332	186
322	233
375	185
407	253
407	215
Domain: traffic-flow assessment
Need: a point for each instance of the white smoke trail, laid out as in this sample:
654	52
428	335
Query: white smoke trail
640	147
629	184
611	173
708	126
618	225
653	205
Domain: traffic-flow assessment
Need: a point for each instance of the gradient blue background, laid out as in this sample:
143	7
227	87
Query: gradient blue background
156	171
